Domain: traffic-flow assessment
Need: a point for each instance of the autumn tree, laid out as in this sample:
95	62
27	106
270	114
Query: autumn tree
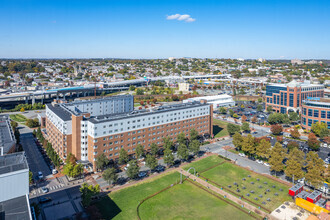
295	133
237	140
263	149
248	144
293	145
295	164
313	142
276	129
277	157
245	126
254	119
243	119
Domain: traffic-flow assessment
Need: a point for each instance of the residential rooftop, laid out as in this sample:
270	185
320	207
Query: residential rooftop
144	112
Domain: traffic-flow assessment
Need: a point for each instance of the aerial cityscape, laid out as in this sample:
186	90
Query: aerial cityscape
164	110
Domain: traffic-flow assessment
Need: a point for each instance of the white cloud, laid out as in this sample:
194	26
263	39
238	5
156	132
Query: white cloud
180	17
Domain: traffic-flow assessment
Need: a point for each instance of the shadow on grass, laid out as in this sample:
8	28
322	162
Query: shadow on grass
108	208
217	129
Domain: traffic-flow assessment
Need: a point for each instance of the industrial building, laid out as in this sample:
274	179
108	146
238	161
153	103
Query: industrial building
14	187
92	127
288	97
216	101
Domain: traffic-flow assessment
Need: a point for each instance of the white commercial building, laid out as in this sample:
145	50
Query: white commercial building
216	100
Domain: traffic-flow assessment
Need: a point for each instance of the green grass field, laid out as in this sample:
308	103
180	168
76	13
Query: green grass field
226	174
182	201
186	201
219	128
18	118
204	163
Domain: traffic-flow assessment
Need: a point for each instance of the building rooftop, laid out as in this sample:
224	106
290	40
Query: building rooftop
144	112
7	137
13	162
294	83
211	97
14	209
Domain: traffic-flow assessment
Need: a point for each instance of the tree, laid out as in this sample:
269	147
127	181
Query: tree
293	145
153	149
254	119
324	132
295	133
259	108
263	149
87	192
313	142
231	112
235	115
259	100
245	126
78	169
181	138
276	129
22	110
132	169
277	157
248	145
223	110
193	134
139	92
232	129
194	147
243	119
151	161
139	151
293	116
269	108
168	157
168	144
123	156
110	175
279	139
183	152
317	127
315	168
294	169
237	140
101	161
314	177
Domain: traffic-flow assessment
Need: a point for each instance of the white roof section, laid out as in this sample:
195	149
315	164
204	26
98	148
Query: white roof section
211	98
294	83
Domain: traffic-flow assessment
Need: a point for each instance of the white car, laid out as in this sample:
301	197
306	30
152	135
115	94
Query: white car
241	154
54	171
259	161
266	164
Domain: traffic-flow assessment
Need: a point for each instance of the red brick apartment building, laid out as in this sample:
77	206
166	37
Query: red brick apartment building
88	133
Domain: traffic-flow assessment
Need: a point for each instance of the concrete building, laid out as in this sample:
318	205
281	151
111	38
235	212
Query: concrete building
289	97
315	110
7	137
216	101
87	134
14	187
183	87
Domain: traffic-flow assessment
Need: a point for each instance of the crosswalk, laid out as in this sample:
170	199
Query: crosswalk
50	188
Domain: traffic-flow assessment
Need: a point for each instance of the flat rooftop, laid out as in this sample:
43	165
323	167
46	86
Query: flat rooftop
7	138
161	109
13	162
14	209
211	97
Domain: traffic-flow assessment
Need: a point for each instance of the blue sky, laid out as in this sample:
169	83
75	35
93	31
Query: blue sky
270	29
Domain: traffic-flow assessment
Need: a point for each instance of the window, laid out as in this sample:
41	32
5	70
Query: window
310	112
322	114
291	100
316	113
310	122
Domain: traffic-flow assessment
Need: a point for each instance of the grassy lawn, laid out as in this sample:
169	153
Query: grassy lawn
18	118
204	163
219	128
136	104
227	173
186	201
122	204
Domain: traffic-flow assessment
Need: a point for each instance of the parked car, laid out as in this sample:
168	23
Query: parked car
143	174
259	161
40	176
160	168
54	171
266	164
44	189
241	154
45	200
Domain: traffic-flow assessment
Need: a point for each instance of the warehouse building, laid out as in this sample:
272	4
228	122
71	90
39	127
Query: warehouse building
216	101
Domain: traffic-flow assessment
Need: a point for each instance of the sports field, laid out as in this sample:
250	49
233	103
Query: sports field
187	201
254	187
181	201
